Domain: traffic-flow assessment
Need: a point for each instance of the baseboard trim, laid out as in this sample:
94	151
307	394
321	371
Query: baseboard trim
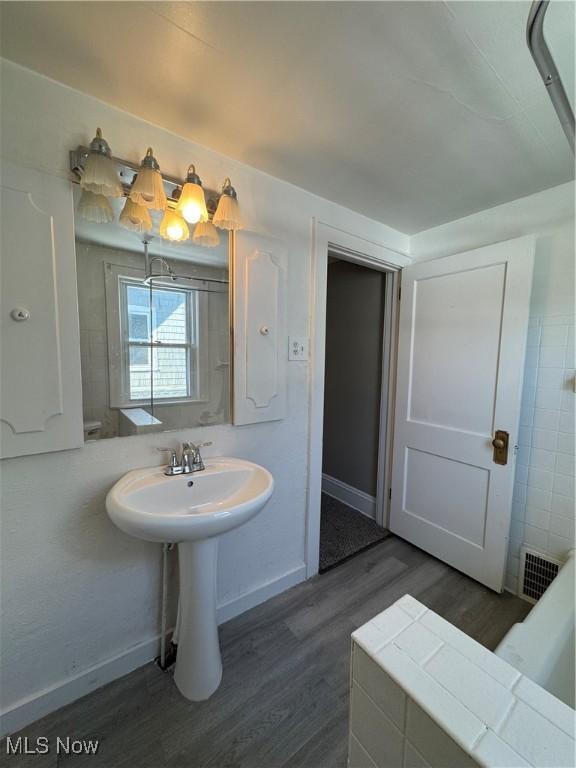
50	699
42	703
345	493
237	605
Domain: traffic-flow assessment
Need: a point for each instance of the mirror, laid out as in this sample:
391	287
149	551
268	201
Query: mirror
155	349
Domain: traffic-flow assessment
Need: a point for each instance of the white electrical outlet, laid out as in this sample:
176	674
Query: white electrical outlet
297	348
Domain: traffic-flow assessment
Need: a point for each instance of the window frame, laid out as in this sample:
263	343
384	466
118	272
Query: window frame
119	344
133	342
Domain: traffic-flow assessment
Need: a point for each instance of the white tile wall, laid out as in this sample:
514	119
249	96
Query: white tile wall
543	510
436	747
425	694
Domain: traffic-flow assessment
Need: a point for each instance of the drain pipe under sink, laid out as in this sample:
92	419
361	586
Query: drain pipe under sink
162	662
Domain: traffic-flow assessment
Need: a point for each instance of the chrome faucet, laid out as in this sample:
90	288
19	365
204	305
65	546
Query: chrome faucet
190	459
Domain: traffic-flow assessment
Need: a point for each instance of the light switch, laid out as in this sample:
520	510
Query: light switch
297	348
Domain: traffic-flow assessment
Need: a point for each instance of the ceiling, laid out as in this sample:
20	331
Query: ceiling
414	113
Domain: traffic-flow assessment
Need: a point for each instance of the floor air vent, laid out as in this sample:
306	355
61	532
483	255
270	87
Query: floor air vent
537	572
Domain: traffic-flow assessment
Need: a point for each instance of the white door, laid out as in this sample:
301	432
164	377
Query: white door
462	339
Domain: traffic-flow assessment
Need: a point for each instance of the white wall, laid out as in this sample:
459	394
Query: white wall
543	510
76	593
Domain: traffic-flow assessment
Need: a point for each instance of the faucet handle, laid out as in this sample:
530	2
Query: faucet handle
189	446
173	455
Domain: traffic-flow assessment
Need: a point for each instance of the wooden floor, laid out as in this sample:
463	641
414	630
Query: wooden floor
284	695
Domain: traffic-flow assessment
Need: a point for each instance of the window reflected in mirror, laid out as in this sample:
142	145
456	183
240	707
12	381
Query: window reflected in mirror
154	331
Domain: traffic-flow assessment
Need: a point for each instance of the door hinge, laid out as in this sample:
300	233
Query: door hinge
390	493
399	292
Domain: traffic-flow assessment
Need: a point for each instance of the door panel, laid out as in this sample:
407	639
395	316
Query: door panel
456	311
462	338
41	397
426	496
259	323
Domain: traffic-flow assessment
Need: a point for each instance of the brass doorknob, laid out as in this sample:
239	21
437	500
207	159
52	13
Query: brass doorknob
498	443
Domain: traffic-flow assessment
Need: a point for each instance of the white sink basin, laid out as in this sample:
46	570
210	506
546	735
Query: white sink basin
192	510
147	504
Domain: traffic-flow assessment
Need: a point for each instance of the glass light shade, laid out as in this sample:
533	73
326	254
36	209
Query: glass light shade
173	227
135	217
148	187
100	174
95	208
205	233
192	203
227	214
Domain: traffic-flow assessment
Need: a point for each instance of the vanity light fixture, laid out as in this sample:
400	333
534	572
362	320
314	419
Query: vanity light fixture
135	217
227	214
206	234
173	227
148	188
192	203
100	174
95	208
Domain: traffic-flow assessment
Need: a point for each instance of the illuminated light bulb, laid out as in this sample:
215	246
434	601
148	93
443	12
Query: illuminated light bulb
192	203
95	208
135	217
100	174
206	234
227	214
175	231
148	187
192	212
173	227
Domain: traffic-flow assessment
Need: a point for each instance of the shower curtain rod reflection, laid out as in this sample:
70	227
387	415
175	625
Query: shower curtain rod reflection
150	276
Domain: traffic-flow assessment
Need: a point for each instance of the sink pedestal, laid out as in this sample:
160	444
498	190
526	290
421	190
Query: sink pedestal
198	670
194	512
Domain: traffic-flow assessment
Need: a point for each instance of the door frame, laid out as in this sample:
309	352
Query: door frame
359	250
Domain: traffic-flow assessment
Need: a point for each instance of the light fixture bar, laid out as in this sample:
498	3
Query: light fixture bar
127	170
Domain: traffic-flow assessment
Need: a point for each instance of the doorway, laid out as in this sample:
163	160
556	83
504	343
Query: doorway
355	312
353	248
458	346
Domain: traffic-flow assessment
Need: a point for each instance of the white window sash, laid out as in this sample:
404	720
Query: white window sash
119	345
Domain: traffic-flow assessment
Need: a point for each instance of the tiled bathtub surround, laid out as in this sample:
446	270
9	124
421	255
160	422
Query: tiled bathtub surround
543	511
426	694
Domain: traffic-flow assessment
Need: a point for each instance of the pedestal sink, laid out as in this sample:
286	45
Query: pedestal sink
192	510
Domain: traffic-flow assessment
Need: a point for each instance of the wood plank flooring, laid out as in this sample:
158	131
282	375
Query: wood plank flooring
284	695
